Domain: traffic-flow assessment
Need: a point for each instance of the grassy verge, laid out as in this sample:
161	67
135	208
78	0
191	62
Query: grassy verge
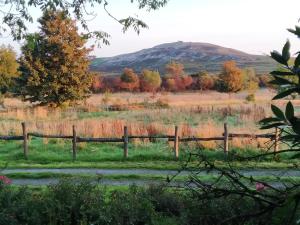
158	155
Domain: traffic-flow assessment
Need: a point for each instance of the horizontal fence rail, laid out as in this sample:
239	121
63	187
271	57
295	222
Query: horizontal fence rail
11	138
125	139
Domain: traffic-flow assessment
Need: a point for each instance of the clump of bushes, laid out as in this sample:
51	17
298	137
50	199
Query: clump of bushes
83	202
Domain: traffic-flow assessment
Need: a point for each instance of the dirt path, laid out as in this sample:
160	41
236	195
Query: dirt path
49	181
93	171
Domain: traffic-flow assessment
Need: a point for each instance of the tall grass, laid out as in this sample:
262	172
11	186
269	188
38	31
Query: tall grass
197	121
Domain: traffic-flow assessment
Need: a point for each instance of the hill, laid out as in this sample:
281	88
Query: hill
194	55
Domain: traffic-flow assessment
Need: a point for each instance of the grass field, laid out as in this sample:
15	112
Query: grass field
196	114
158	155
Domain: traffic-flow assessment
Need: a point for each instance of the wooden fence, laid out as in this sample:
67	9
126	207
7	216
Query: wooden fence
125	139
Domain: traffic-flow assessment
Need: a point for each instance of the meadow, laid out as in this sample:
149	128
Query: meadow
198	114
46	186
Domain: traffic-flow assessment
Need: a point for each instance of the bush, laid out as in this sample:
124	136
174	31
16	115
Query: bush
83	202
130	208
250	98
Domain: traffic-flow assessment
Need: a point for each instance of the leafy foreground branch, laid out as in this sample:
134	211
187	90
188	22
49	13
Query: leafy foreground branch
16	15
252	201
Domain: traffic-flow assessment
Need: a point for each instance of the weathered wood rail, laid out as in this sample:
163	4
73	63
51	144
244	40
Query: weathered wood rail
126	138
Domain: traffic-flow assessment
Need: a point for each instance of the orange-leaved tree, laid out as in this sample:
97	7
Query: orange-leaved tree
129	80
231	77
176	79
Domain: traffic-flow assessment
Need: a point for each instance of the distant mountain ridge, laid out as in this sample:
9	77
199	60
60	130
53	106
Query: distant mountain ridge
195	56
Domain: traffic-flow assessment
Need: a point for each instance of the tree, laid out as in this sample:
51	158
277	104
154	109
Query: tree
176	80
250	81
55	64
17	14
231	77
174	69
8	68
150	80
129	80
205	82
98	83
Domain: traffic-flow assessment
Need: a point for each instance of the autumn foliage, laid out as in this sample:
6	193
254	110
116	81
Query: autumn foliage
129	80
150	80
231	78
205	82
54	64
176	79
8	68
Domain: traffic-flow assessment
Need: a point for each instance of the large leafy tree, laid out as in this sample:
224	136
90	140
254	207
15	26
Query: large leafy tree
55	64
8	68
16	14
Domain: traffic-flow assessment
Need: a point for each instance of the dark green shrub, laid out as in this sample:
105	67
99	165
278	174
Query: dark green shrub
80	203
130	208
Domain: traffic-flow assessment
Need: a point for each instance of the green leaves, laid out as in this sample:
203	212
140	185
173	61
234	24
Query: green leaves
289	111
282	73
297	61
296	31
286	93
20	13
288	81
135	23
278	57
286	51
281	81
284	57
277	112
280	118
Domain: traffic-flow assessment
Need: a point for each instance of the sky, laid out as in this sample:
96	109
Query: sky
252	26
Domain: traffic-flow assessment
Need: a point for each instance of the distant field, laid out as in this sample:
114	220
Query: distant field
199	114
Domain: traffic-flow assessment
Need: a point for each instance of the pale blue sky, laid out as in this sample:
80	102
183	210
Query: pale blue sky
253	26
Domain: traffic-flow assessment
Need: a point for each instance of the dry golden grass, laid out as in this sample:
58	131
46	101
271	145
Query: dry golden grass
183	99
201	108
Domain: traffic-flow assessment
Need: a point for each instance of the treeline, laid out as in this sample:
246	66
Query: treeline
231	79
53	69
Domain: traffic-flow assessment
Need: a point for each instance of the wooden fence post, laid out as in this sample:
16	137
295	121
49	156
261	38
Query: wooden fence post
125	137
74	139
276	144
226	139
176	143
25	140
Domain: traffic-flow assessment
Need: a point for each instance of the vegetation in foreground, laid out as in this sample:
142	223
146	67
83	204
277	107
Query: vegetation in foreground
86	203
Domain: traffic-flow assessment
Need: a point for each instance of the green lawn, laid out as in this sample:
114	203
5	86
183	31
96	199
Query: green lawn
159	155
